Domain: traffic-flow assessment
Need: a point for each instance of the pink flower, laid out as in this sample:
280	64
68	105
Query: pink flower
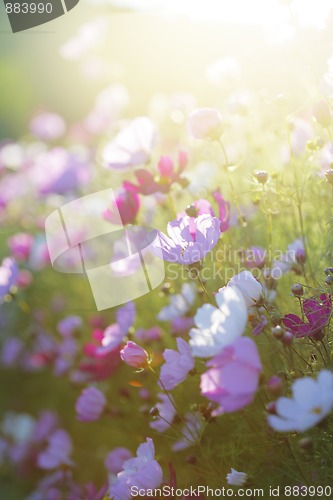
115	460
317	314
205	123
90	404
57	452
133	146
189	240
143	471
233	376
20	245
48	126
224	210
128	204
177	365
134	355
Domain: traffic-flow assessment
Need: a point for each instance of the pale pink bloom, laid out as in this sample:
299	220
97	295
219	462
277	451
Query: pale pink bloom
90	404
134	355
48	126
233	376
20	245
249	287
205	123
142	471
133	146
166	411
57	452
177	365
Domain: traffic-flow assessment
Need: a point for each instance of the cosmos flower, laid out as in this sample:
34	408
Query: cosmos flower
134	355
233	376
128	204
180	303
235	478
250	288
317	314
132	147
20	245
217	327
90	404
115	460
166	413
47	126
57	452
188	242
191	432
312	401
177	365
205	123
142	471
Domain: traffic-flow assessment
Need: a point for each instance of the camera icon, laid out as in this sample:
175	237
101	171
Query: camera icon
119	261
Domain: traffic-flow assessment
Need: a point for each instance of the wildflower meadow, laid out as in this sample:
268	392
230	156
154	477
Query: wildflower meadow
166	253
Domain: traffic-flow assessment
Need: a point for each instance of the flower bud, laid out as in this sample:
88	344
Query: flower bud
329	280
261	176
287	338
278	332
274	385
271	407
297	289
300	256
306	443
134	355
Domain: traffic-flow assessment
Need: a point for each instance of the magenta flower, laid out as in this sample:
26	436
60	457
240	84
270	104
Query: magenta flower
233	376
57	452
115	460
177	365
317	314
9	274
189	240
134	355
224	210
90	404
20	245
142	471
128	204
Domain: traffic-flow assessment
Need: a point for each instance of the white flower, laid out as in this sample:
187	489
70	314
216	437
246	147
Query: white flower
180	303
219	326
235	478
312	401
205	123
250	288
